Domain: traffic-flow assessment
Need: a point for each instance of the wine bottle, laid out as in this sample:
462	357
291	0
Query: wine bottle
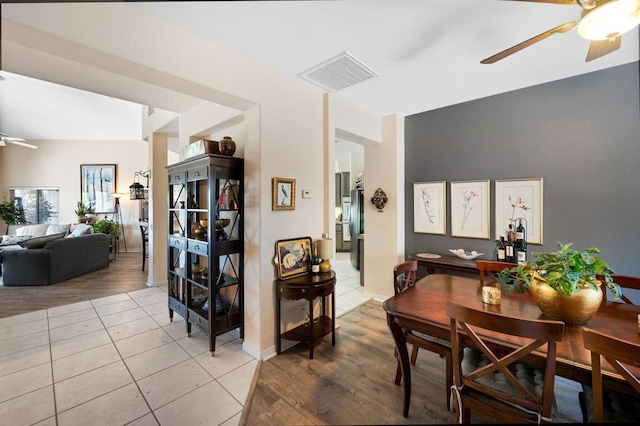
522	254
502	250
521	242
521	235
510	254
511	235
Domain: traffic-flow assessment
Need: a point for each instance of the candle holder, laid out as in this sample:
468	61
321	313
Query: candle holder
325	252
491	295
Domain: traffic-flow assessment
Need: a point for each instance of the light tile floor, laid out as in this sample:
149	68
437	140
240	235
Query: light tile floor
119	361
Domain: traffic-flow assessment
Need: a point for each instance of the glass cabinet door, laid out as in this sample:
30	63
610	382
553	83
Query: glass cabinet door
177	244
228	235
198	234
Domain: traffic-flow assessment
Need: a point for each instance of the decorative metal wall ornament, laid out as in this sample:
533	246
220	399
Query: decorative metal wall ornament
379	199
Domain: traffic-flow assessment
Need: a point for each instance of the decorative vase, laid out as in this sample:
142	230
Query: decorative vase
575	309
227	146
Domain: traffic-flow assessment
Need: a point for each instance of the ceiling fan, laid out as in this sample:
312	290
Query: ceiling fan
602	21
4	139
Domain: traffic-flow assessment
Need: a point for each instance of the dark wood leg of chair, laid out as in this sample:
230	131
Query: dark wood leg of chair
449	379
144	253
414	354
401	346
466	416
398	374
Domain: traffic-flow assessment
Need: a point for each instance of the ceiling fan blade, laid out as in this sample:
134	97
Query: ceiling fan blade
551	1
12	139
26	145
2	142
567	26
599	48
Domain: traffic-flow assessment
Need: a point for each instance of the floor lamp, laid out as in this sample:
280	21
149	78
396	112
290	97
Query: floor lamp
117	218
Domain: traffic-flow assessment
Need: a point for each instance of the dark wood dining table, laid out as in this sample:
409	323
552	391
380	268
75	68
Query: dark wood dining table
422	308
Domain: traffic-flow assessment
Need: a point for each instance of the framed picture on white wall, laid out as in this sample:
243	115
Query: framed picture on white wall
429	207
97	186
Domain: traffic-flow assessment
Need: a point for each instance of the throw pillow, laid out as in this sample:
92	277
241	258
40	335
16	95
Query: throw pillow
39	242
81	229
8	240
56	229
33	230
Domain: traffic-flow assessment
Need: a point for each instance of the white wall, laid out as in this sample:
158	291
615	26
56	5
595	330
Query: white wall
384	231
57	164
287	123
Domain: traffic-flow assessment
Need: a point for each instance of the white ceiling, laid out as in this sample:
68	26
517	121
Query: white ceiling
39	110
427	52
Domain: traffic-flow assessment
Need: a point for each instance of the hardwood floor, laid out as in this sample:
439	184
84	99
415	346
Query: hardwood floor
353	382
123	275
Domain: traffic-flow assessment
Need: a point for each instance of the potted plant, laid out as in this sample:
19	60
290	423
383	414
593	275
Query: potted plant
566	283
107	226
82	210
11	213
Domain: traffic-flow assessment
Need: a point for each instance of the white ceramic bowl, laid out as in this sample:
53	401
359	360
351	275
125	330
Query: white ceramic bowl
467	255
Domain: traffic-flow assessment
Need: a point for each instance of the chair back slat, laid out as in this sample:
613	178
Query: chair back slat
476	386
487	269
404	275
617	352
624	281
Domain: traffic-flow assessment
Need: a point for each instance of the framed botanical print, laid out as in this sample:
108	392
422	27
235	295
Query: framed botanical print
429	207
470	209
519	200
97	186
283	194
293	257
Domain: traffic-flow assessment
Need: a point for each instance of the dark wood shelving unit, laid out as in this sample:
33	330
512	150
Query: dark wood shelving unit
206	244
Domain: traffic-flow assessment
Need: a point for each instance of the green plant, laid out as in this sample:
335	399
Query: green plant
11	213
107	226
82	209
566	271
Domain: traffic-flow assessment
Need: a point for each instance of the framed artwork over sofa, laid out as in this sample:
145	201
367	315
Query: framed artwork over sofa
97	185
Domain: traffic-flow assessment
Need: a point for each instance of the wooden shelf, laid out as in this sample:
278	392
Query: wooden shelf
302	333
309	287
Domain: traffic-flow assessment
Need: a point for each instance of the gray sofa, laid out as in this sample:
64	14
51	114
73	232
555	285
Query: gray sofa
58	260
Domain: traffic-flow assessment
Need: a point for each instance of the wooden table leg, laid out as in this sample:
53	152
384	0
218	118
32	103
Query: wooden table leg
401	345
311	328
333	318
279	341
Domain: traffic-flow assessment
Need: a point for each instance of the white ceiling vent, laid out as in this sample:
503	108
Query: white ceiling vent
338	73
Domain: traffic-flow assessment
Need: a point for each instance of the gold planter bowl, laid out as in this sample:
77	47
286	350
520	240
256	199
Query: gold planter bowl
575	309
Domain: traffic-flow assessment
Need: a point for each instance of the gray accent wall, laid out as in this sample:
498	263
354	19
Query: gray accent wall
581	135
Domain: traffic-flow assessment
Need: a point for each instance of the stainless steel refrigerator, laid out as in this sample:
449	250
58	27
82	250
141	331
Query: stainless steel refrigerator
356	225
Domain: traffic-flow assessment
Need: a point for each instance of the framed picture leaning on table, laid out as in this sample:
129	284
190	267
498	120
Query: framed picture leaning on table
293	257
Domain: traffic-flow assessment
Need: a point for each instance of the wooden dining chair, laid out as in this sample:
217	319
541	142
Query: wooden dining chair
404	277
601	406
624	281
144	232
487	269
500	385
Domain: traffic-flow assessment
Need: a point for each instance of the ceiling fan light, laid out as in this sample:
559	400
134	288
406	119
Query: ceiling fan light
610	19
